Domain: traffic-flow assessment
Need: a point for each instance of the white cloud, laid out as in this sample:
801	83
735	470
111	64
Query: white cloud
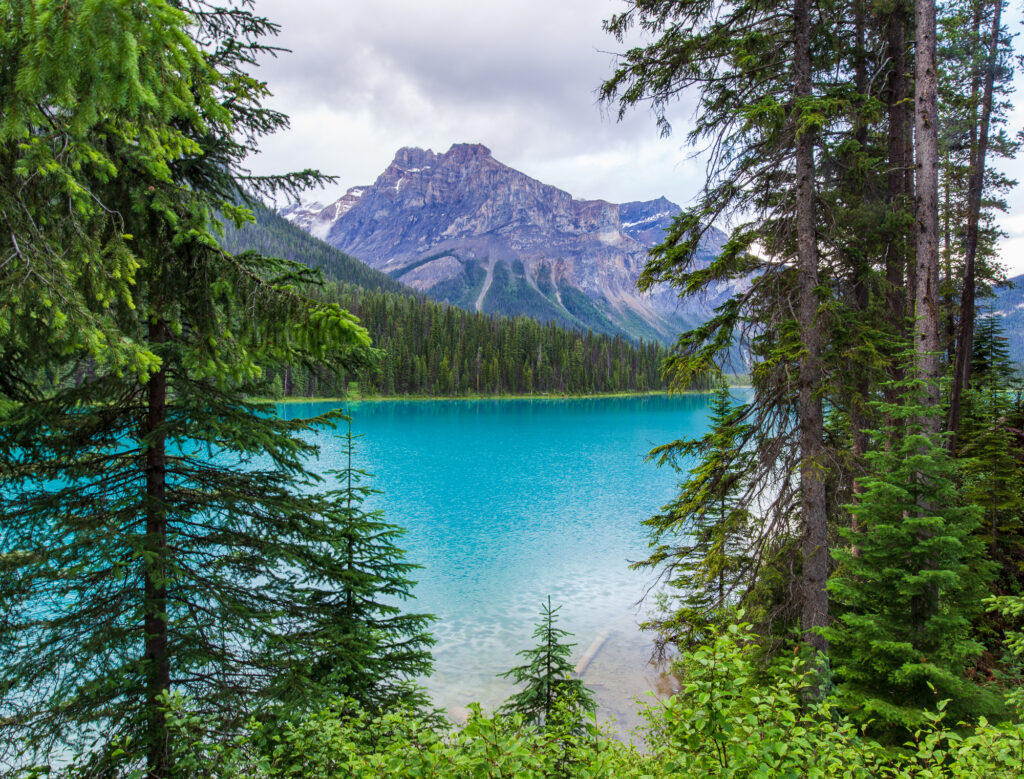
366	78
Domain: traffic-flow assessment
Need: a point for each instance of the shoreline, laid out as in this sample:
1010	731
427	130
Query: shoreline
549	396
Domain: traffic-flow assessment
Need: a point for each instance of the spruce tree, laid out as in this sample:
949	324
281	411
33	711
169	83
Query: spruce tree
548	687
79	81
362	646
902	639
700	540
991	451
159	533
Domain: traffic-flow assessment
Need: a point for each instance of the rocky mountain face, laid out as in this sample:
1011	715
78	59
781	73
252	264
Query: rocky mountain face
466	229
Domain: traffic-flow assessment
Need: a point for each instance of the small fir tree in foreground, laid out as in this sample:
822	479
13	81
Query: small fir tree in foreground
362	646
902	639
546	676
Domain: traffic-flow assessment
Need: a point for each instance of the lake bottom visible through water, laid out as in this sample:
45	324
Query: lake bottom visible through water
506	502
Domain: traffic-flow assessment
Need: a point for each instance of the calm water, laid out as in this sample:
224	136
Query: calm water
509	501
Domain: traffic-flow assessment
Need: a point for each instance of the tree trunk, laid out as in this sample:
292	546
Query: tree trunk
926	298
812	485
896	93
926	146
975	188
861	280
157	660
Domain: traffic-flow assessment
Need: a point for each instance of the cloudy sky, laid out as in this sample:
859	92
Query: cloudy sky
367	77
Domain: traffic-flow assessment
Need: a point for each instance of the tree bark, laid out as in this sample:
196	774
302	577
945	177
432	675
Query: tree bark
157	659
926	146
975	189
926	299
896	94
812	485
861	279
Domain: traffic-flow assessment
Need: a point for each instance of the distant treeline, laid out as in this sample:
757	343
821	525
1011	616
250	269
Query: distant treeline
433	349
430	348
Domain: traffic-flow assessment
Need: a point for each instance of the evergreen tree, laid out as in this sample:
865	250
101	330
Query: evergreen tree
362	646
700	540
991	450
773	106
806	111
78	82
159	534
548	687
902	640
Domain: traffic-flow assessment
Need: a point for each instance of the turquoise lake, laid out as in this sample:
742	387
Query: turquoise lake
508	501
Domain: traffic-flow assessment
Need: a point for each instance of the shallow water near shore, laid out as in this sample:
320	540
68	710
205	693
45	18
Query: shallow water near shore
508	501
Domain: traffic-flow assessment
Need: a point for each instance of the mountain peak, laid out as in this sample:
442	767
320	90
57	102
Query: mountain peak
414	157
464	152
469	230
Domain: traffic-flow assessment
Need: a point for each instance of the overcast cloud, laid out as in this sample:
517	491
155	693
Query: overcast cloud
366	77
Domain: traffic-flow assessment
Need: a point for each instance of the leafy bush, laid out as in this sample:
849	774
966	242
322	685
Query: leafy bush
728	720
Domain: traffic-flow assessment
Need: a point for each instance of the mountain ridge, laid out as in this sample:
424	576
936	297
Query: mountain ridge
466	229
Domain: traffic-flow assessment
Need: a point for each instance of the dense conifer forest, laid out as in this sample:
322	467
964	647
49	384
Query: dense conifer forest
433	349
863	505
274	236
843	564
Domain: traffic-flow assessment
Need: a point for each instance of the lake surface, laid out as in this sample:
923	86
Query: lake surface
509	501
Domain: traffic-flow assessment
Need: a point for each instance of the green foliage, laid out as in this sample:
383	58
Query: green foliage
991	449
911	582
81	81
345	741
729	719
429	348
1011	608
700	540
742	64
158	533
274	236
280	595
732	719
550	697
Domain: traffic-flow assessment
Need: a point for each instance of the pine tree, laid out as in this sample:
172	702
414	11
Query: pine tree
991	450
700	540
548	686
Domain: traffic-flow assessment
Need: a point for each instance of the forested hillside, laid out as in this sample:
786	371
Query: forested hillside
435	349
430	348
274	236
